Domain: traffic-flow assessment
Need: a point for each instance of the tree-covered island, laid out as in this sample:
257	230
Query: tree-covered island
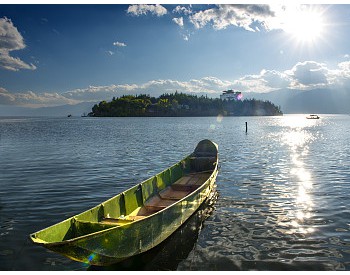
180	104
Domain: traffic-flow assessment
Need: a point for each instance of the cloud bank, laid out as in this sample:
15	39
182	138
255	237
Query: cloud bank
11	40
305	75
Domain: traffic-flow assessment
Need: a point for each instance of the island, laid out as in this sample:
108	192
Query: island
180	105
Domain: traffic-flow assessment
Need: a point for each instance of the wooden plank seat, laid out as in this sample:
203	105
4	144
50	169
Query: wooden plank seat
190	182
170	193
157	203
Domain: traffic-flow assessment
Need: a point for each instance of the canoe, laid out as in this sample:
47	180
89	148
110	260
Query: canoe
139	218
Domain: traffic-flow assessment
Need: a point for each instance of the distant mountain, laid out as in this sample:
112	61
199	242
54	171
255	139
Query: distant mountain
63	110
324	101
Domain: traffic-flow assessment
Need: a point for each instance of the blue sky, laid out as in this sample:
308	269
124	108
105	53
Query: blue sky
65	54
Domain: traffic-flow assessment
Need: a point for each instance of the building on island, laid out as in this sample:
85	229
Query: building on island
231	95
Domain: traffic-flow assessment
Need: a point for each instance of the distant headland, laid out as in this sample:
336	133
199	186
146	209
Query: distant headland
177	104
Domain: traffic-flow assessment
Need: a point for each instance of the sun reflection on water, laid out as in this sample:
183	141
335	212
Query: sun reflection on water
297	137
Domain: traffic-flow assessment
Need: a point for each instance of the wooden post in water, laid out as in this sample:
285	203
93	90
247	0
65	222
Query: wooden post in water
246	127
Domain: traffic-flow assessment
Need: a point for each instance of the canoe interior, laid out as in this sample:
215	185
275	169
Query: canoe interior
139	202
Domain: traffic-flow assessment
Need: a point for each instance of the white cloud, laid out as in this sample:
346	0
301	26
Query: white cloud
11	40
42	99
304	76
252	83
179	21
309	74
265	81
144	9
341	75
6	98
275	79
344	69
210	85
182	10
32	99
92	93
119	44
222	16
12	63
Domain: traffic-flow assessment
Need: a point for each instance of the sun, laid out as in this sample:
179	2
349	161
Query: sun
304	24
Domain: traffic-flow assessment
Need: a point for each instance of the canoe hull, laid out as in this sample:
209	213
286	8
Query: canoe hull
124	242
111	244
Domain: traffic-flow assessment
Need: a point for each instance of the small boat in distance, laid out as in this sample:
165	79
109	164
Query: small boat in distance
313	117
69	115
139	218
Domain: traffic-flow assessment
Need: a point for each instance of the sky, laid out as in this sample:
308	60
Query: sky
60	54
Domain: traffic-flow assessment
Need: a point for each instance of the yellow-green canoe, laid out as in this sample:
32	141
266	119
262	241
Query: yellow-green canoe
139	218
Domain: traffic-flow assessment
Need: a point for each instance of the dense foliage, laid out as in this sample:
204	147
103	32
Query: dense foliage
180	104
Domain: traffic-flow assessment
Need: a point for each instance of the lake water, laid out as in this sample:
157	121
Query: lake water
283	191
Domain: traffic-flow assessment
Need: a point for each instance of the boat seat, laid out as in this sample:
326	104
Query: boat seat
171	193
185	188
186	181
190	182
144	212
157	203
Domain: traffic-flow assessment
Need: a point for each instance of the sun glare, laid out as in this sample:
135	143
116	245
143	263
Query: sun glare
304	24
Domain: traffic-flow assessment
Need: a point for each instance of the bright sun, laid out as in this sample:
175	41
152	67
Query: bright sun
304	25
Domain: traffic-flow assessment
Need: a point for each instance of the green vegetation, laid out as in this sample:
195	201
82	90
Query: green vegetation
180	104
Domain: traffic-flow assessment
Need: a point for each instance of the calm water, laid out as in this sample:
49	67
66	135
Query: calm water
283	189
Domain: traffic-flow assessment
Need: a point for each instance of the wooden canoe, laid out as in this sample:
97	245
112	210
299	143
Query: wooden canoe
139	218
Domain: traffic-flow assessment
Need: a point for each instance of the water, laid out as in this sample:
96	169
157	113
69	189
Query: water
283	188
